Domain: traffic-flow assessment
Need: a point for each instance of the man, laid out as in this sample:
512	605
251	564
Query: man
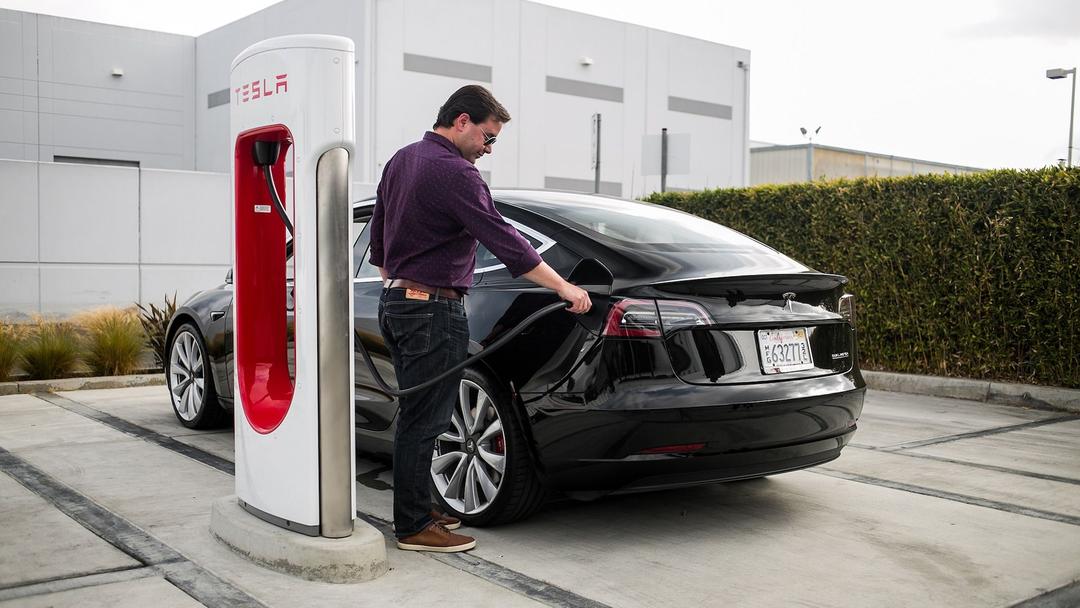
431	210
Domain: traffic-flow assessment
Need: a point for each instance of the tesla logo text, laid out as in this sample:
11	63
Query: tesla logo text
256	89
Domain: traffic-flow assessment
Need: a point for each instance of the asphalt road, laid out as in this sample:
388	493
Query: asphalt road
105	500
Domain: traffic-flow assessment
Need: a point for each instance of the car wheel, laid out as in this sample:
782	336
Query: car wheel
481	469
191	381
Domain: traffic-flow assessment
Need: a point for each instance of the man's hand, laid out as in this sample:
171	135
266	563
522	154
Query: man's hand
545	276
577	297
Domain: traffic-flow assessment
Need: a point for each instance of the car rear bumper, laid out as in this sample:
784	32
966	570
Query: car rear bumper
609	450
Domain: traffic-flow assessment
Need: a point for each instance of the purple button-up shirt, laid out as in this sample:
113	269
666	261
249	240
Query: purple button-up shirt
432	208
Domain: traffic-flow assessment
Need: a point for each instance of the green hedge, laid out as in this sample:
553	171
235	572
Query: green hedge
958	275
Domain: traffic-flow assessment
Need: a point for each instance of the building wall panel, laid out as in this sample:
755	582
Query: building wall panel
185	218
70	288
89	214
20	300
19	211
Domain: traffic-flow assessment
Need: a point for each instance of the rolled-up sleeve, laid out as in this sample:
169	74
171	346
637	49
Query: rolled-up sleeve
477	213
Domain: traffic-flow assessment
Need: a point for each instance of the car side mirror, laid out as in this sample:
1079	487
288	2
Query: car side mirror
228	277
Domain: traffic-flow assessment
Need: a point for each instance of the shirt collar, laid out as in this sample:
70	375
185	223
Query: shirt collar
442	141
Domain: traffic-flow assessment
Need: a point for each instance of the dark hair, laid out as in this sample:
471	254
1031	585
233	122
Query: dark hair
474	100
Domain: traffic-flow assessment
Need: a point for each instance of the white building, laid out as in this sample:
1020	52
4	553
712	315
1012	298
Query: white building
80	92
773	164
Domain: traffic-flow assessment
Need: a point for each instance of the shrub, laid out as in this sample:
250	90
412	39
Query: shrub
10	343
113	341
155	322
52	350
956	275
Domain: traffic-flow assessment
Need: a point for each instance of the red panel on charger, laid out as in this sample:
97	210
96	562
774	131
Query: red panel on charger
259	313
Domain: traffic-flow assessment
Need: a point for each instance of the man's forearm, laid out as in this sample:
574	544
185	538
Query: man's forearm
545	276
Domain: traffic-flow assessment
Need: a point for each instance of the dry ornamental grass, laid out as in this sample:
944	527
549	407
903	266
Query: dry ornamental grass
113	340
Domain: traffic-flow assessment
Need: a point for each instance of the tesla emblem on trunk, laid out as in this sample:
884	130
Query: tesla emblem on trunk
789	297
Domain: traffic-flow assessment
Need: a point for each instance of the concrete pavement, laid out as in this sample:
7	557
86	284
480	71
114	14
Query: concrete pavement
105	500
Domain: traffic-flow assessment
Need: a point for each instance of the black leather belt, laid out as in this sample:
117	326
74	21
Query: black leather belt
445	293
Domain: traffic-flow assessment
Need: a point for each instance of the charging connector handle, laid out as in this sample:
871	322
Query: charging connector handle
265	154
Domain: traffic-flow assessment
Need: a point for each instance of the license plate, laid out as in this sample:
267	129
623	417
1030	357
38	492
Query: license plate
784	350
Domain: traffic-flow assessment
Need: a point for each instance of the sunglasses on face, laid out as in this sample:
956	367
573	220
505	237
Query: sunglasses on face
488	139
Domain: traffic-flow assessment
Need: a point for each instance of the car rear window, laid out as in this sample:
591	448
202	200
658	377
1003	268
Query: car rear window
636	223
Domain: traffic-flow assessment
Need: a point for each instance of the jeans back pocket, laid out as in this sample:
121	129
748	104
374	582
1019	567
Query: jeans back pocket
411	332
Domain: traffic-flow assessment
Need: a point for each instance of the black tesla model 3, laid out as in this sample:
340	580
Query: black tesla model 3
708	357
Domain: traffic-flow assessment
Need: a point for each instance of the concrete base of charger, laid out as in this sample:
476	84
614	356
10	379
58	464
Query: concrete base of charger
358	558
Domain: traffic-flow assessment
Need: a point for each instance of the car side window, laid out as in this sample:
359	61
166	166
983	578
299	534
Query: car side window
362	268
486	261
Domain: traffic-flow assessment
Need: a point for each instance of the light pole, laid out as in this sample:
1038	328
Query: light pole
1056	74
809	151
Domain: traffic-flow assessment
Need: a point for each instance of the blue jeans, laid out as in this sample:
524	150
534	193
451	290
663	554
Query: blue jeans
425	338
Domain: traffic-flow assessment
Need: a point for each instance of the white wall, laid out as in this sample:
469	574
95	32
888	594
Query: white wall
74	237
58	96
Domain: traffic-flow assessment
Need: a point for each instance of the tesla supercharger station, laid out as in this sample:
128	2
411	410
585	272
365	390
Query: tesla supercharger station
293	375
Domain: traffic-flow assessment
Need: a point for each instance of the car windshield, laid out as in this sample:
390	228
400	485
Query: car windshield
636	224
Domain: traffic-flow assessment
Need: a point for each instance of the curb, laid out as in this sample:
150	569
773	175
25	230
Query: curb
80	384
1022	395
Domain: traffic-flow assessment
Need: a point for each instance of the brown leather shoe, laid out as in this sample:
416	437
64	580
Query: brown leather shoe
438	539
447	521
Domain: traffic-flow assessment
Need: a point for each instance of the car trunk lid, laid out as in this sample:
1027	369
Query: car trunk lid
755	328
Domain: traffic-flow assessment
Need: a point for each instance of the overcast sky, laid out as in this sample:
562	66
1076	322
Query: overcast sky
955	81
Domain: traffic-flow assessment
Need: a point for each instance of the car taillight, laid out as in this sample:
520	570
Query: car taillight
632	318
677	314
847	308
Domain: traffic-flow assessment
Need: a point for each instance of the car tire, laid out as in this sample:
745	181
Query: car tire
519	489
190	378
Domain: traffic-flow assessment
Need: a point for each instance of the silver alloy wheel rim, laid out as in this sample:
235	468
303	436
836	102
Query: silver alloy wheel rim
187	376
466	468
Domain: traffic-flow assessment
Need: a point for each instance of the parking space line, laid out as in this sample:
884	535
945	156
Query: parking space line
190	578
135	430
492	572
983	433
963	498
975	465
68	583
73	575
479	567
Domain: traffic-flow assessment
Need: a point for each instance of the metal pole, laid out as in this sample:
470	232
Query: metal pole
663	160
596	176
335	351
1072	111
